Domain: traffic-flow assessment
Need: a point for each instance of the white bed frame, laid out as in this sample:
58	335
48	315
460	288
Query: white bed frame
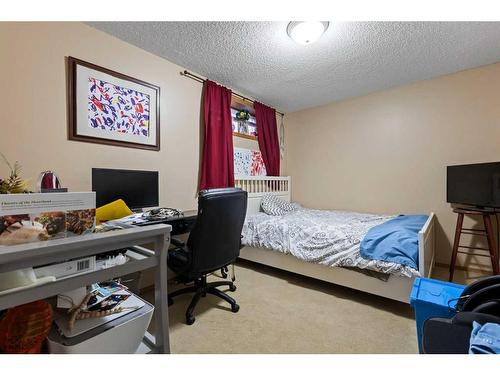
396	287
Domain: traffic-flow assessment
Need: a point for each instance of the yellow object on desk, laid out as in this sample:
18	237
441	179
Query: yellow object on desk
112	211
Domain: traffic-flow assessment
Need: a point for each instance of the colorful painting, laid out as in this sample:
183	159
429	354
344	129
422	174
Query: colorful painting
248	163
111	108
118	109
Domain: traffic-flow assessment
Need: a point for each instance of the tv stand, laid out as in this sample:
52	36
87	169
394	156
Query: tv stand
481	209
486	214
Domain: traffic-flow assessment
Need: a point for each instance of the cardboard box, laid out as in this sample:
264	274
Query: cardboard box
45	216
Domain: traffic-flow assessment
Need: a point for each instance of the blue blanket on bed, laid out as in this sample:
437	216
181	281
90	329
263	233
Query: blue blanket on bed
394	241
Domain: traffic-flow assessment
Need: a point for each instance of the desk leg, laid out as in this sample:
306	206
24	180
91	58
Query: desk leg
161	295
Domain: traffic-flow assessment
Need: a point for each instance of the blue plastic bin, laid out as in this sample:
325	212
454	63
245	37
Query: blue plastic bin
431	298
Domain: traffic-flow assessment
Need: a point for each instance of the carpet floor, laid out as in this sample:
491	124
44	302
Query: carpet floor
281	312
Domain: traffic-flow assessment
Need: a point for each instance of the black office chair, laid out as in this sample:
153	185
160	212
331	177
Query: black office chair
214	242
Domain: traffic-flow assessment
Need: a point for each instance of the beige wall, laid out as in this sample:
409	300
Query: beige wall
387	152
33	97
245	143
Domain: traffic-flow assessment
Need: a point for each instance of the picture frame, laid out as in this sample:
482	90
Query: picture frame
111	108
248	162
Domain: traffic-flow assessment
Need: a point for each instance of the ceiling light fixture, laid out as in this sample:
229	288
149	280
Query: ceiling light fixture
306	32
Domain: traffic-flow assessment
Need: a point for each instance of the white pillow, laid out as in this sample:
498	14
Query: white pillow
274	205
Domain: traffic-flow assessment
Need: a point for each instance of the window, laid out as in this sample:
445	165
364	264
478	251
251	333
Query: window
245	128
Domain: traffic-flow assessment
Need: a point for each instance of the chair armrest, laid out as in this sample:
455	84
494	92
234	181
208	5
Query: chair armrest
177	243
466	318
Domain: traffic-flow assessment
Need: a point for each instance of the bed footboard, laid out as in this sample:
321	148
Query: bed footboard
426	246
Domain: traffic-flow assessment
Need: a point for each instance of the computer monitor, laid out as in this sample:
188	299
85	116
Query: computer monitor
139	189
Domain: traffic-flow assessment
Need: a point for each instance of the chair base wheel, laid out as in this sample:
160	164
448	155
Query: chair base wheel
235	308
190	320
232	288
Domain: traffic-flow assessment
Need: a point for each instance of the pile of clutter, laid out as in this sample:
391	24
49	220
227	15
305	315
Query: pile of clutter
97	301
23	329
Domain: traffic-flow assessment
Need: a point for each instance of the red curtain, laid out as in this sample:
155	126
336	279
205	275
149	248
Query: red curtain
267	135
217	168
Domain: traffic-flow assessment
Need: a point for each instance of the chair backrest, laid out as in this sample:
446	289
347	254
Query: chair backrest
215	238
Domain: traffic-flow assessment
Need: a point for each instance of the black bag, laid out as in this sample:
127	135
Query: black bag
479	302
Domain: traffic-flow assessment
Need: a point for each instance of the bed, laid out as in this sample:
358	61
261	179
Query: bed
398	281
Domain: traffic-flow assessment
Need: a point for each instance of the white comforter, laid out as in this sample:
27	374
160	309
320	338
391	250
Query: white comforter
330	238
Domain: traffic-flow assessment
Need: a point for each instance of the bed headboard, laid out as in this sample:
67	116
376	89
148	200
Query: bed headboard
257	186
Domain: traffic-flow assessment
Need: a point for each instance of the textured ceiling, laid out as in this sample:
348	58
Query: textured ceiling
351	59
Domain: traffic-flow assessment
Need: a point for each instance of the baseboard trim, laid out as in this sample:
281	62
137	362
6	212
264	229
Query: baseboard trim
463	268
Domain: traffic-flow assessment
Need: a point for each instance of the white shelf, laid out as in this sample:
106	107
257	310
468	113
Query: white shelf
46	252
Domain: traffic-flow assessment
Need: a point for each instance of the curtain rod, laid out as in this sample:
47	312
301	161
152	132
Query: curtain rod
196	78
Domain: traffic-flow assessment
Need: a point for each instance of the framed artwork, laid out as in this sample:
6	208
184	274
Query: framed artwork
248	163
111	108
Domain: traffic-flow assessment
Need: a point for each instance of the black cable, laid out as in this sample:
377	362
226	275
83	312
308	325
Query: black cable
450	301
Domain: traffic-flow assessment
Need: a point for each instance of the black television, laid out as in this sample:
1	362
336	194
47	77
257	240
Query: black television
139	189
475	185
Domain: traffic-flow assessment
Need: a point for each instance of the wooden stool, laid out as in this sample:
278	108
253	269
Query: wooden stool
487	231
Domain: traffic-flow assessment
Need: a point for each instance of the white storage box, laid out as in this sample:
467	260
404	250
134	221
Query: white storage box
120	335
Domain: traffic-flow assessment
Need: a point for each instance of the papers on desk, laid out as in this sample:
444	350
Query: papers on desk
127	221
158	215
